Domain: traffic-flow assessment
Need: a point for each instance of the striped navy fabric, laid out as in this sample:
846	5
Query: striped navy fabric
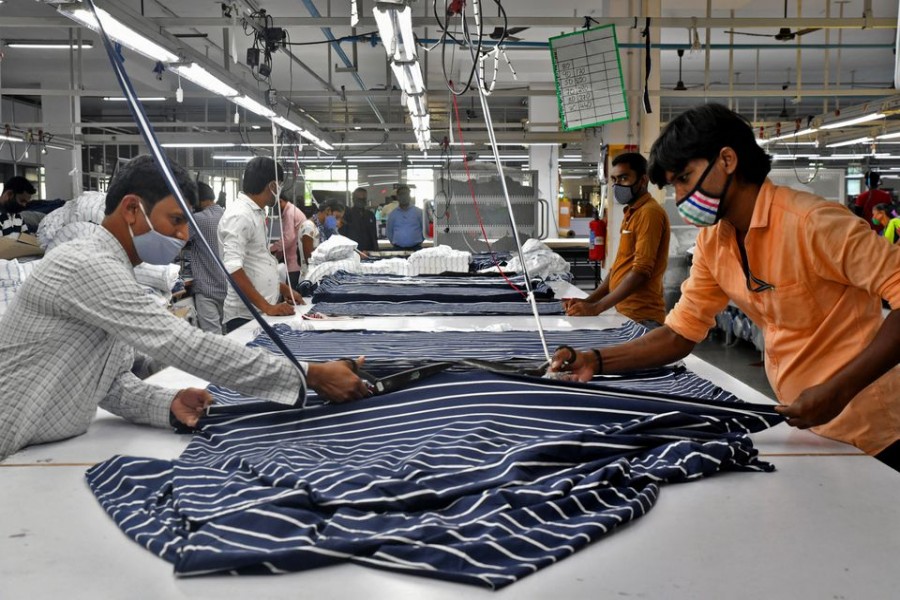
430	307
470	477
350	287
392	350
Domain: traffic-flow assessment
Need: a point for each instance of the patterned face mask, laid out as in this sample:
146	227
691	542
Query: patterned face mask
699	207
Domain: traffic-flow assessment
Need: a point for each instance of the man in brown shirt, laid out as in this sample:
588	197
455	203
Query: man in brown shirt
634	285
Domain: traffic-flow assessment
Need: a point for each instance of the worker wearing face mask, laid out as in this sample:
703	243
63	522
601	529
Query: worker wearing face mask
68	340
245	248
806	271
634	284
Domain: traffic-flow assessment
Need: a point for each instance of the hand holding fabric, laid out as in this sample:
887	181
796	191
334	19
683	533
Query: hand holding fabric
282	309
815	406
577	366
337	380
189	404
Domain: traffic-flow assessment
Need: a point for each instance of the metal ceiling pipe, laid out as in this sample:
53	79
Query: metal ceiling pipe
345	59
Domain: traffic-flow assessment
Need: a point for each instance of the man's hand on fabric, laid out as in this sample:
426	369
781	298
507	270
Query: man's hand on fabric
337	380
282	309
584	309
298	299
573	365
815	406
189	404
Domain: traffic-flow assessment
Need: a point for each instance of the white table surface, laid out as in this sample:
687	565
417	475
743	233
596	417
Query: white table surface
826	524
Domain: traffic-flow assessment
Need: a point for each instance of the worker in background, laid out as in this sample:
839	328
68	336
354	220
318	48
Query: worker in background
17	192
68	340
866	201
634	284
333	226
245	248
292	219
208	284
890	225
314	231
404	224
359	223
804	270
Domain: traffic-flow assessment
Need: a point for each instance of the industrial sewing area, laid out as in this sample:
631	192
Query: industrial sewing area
624	274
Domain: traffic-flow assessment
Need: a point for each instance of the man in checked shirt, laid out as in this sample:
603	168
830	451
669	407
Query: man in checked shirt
67	341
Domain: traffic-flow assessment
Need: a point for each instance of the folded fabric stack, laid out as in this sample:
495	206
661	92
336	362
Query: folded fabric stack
437	260
89	207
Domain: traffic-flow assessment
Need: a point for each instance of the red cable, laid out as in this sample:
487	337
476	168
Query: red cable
475	202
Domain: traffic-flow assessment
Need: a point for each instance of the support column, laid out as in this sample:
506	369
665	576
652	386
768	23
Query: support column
59	164
545	159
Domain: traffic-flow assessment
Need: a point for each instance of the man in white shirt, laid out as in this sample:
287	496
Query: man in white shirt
245	249
68	340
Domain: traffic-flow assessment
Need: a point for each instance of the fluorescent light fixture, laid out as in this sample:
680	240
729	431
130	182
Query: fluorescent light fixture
394	21
793	156
286	124
888	136
141	98
118	32
232	156
416	106
199	145
48	45
409	77
853	121
787	136
854	156
316	140
200	76
254	106
862	140
10	138
238	160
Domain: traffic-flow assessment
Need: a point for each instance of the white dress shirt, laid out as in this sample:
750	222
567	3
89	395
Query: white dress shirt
242	237
67	345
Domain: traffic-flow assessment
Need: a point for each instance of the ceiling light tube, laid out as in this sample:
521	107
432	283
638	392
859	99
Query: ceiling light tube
199	145
10	138
853	121
888	136
286	124
200	76
254	106
48	45
394	23
416	106
319	142
117	32
862	140
232	156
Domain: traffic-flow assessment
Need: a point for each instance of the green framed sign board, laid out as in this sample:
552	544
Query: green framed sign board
590	88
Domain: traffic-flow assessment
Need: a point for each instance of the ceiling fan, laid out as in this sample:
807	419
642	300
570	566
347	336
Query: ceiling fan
680	87
784	34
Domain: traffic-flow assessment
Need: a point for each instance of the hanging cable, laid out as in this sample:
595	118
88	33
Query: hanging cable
488	121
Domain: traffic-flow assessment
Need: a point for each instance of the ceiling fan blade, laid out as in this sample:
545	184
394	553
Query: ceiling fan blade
748	33
807	30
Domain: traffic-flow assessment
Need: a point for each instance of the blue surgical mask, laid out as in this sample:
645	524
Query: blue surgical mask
331	222
153	247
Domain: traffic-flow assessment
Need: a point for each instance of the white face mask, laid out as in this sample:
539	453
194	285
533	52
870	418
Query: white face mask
153	247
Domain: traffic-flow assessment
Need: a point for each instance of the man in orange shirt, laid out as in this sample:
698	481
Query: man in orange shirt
634	285
805	270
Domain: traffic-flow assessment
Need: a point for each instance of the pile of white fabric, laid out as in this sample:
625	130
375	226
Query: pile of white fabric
437	260
338	253
540	261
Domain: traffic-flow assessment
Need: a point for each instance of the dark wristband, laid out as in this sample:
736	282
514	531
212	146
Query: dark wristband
599	370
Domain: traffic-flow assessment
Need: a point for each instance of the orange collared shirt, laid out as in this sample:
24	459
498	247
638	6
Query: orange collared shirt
830	272
644	248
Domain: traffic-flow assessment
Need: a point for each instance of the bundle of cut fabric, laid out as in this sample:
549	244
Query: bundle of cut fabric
89	207
437	260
